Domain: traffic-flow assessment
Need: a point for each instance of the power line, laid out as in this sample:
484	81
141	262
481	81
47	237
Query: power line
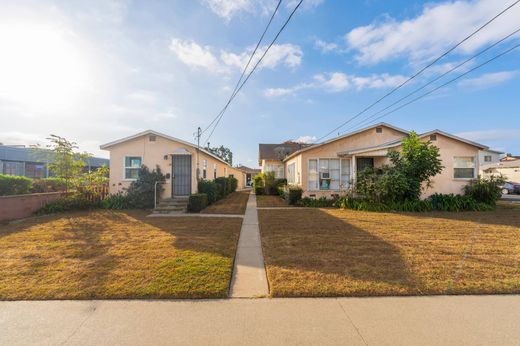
434	80
254	68
247	65
448	82
419	72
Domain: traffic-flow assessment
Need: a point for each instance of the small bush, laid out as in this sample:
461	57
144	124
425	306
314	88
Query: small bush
294	195
14	185
321	202
197	202
141	192
116	201
258	184
69	203
222	187
49	185
232	184
209	188
485	190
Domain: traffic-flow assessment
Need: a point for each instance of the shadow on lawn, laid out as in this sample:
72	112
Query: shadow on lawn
316	241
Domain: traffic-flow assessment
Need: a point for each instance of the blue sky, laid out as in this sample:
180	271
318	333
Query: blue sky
97	71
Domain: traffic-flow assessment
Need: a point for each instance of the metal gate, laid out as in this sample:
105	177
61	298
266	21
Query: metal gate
181	175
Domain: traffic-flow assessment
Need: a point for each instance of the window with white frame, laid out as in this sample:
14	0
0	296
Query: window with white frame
464	167
328	174
204	169
132	165
488	158
214	171
345	173
291	173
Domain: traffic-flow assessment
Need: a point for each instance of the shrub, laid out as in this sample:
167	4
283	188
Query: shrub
141	192
197	202
411	170
232	184
209	188
438	202
14	185
485	190
222	187
451	202
258	184
321	202
49	185
116	201
68	203
294	195
269	183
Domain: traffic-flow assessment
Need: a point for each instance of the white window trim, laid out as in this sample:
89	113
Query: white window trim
475	164
124	166
318	167
294	173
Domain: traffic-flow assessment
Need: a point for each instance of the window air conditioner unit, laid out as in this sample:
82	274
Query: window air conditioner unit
325	175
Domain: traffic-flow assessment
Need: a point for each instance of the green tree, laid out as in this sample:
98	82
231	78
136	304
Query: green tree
411	170
222	152
66	163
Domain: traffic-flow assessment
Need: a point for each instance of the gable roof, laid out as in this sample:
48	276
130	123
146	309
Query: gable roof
247	169
273	151
397	142
152	132
348	135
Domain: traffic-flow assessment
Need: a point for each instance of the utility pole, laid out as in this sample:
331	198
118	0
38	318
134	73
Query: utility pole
199	133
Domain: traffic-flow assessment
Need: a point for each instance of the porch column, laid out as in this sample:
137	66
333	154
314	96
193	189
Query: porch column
354	170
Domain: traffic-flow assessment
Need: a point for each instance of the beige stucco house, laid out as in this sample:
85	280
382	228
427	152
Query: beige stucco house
330	167
509	169
270	156
176	158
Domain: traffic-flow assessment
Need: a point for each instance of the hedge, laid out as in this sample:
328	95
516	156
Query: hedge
14	185
49	185
197	202
209	188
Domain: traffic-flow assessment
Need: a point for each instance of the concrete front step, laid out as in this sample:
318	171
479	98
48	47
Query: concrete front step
169	208
172	204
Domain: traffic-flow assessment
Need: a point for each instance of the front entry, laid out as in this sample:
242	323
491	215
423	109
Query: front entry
181	175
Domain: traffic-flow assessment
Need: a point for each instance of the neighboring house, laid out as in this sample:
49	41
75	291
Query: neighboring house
330	167
32	162
509	169
249	172
176	158
270	156
488	157
510	157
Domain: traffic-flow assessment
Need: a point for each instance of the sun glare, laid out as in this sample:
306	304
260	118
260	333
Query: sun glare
41	67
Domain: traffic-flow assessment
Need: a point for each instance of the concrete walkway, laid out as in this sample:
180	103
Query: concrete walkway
249	278
442	320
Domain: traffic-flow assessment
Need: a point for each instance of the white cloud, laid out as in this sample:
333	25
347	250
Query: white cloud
488	80
306	139
491	135
325	47
227	9
339	81
194	55
432	32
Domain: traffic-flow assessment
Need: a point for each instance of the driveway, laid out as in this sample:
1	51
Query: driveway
406	321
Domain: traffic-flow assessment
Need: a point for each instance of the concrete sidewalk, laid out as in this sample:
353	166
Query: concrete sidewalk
438	320
249	277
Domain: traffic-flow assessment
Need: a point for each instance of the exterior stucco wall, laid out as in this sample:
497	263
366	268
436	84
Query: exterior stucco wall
153	154
363	139
509	173
495	157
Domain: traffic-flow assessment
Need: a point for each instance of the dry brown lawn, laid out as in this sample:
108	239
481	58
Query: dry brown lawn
113	254
270	201
235	203
332	252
